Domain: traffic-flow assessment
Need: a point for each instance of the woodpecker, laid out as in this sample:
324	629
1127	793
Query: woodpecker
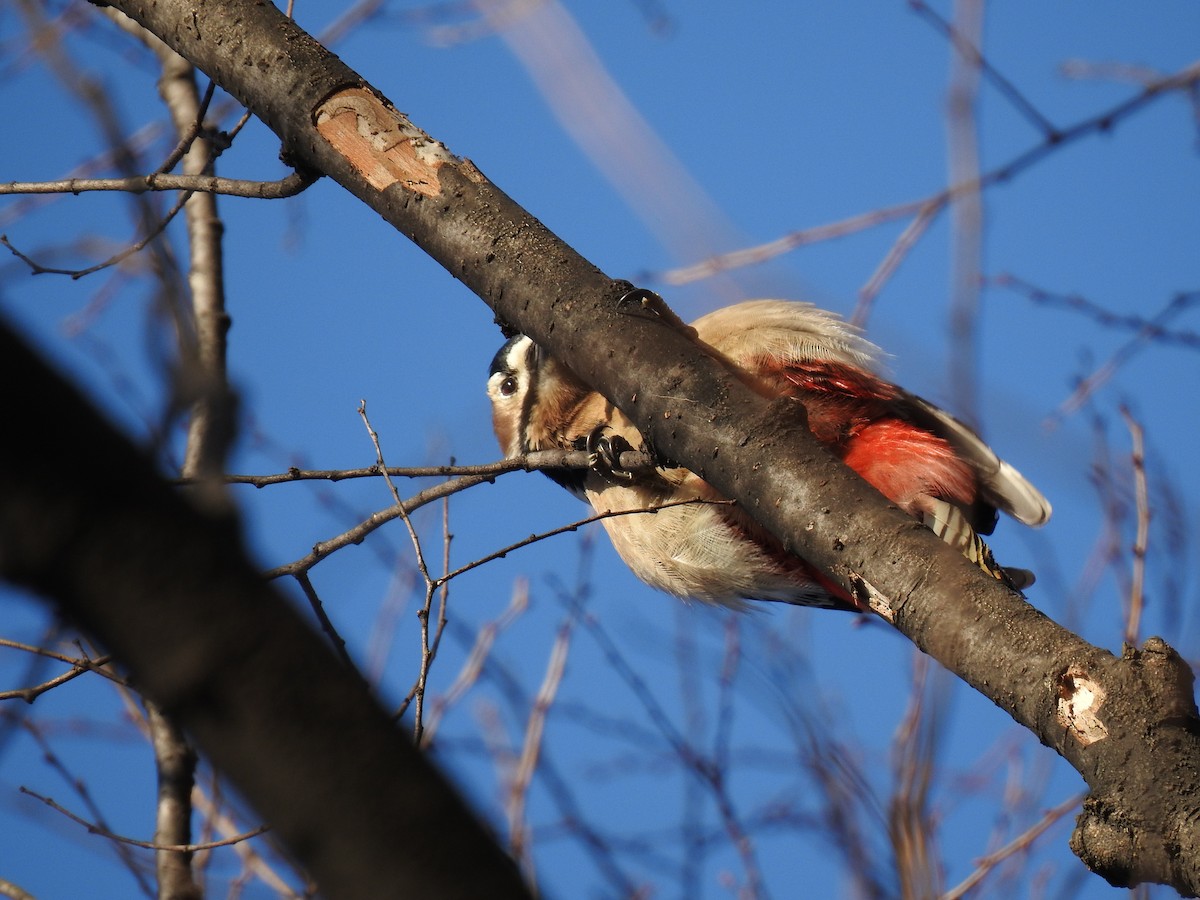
920	457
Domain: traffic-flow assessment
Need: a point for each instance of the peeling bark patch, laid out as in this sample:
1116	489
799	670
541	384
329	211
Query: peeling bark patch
1079	702
381	144
869	597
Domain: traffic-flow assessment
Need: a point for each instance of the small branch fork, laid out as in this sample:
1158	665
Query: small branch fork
463	477
460	478
78	664
104	832
191	135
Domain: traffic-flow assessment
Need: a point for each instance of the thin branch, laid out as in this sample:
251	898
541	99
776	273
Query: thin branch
382	466
969	49
187	110
631	461
208	804
1137	585
914	752
1103	316
159	227
1185	79
289	186
1017	845
573	526
710	775
98	825
78	665
318	608
358	533
429	648
1102	374
967	212
431	586
13	891
531	748
100	830
887	267
175	770
484	640
599	847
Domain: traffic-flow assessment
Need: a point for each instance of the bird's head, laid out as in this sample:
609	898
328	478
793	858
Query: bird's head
533	398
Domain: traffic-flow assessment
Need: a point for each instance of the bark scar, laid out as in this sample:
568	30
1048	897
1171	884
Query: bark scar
1080	698
871	597
381	144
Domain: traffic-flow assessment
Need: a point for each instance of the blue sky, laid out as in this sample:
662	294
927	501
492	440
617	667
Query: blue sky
756	120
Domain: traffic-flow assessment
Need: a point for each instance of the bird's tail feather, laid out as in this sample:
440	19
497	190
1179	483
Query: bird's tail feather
948	522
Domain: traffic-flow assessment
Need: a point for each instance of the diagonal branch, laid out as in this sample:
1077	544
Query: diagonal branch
171	593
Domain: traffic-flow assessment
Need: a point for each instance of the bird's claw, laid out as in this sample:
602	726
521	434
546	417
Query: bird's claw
642	301
604	448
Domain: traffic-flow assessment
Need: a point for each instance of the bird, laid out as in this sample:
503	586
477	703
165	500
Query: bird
923	459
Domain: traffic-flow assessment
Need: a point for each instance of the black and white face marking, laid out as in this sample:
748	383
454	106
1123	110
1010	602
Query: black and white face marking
512	388
527	389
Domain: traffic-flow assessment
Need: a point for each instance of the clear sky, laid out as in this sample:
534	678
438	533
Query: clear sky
650	134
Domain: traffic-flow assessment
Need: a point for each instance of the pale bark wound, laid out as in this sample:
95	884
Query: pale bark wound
382	146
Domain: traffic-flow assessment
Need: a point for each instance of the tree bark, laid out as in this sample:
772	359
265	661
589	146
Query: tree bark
1129	725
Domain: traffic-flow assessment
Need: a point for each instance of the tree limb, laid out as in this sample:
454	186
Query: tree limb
168	589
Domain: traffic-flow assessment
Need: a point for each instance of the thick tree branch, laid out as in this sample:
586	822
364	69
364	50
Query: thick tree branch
170	592
1128	725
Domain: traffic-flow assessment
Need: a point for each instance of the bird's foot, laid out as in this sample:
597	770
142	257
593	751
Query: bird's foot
642	301
604	447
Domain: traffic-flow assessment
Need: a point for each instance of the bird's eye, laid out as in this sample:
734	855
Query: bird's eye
508	386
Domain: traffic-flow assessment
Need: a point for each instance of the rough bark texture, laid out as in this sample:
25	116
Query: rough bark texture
1129	725
170	592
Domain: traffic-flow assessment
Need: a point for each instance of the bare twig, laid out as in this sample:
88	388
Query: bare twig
318	608
968	48
531	747
382	466
208	805
429	648
887	267
78	665
1150	328
13	891
573	526
966	234
158	228
98	824
104	832
484	640
699	765
289	186
1103	373
359	532
427	652
175	768
1185	79
598	846
1133	616
631	461
914	752
1018	844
